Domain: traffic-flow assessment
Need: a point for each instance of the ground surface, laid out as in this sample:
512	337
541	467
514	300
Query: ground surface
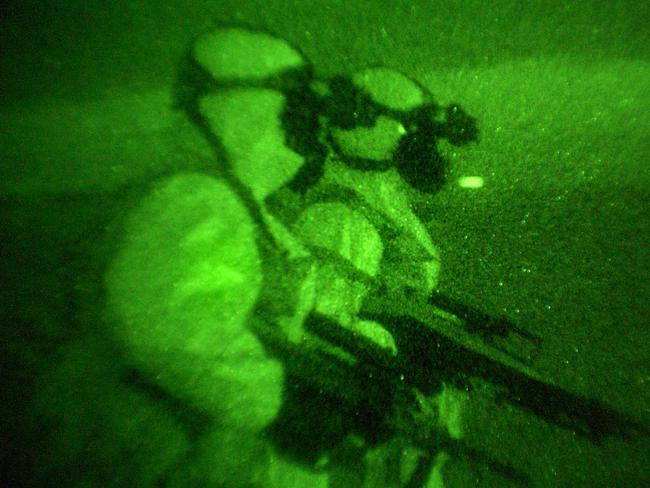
556	238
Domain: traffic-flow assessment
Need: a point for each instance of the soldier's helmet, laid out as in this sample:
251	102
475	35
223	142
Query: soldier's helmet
234	56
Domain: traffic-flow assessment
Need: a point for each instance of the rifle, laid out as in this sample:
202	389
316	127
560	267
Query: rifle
439	341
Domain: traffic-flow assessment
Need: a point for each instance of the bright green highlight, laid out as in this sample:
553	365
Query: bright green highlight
238	53
390	88
471	182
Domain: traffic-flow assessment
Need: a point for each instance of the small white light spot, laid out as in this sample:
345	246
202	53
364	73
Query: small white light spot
401	129
470	181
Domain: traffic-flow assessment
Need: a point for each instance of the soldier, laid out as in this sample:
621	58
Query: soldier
326	168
